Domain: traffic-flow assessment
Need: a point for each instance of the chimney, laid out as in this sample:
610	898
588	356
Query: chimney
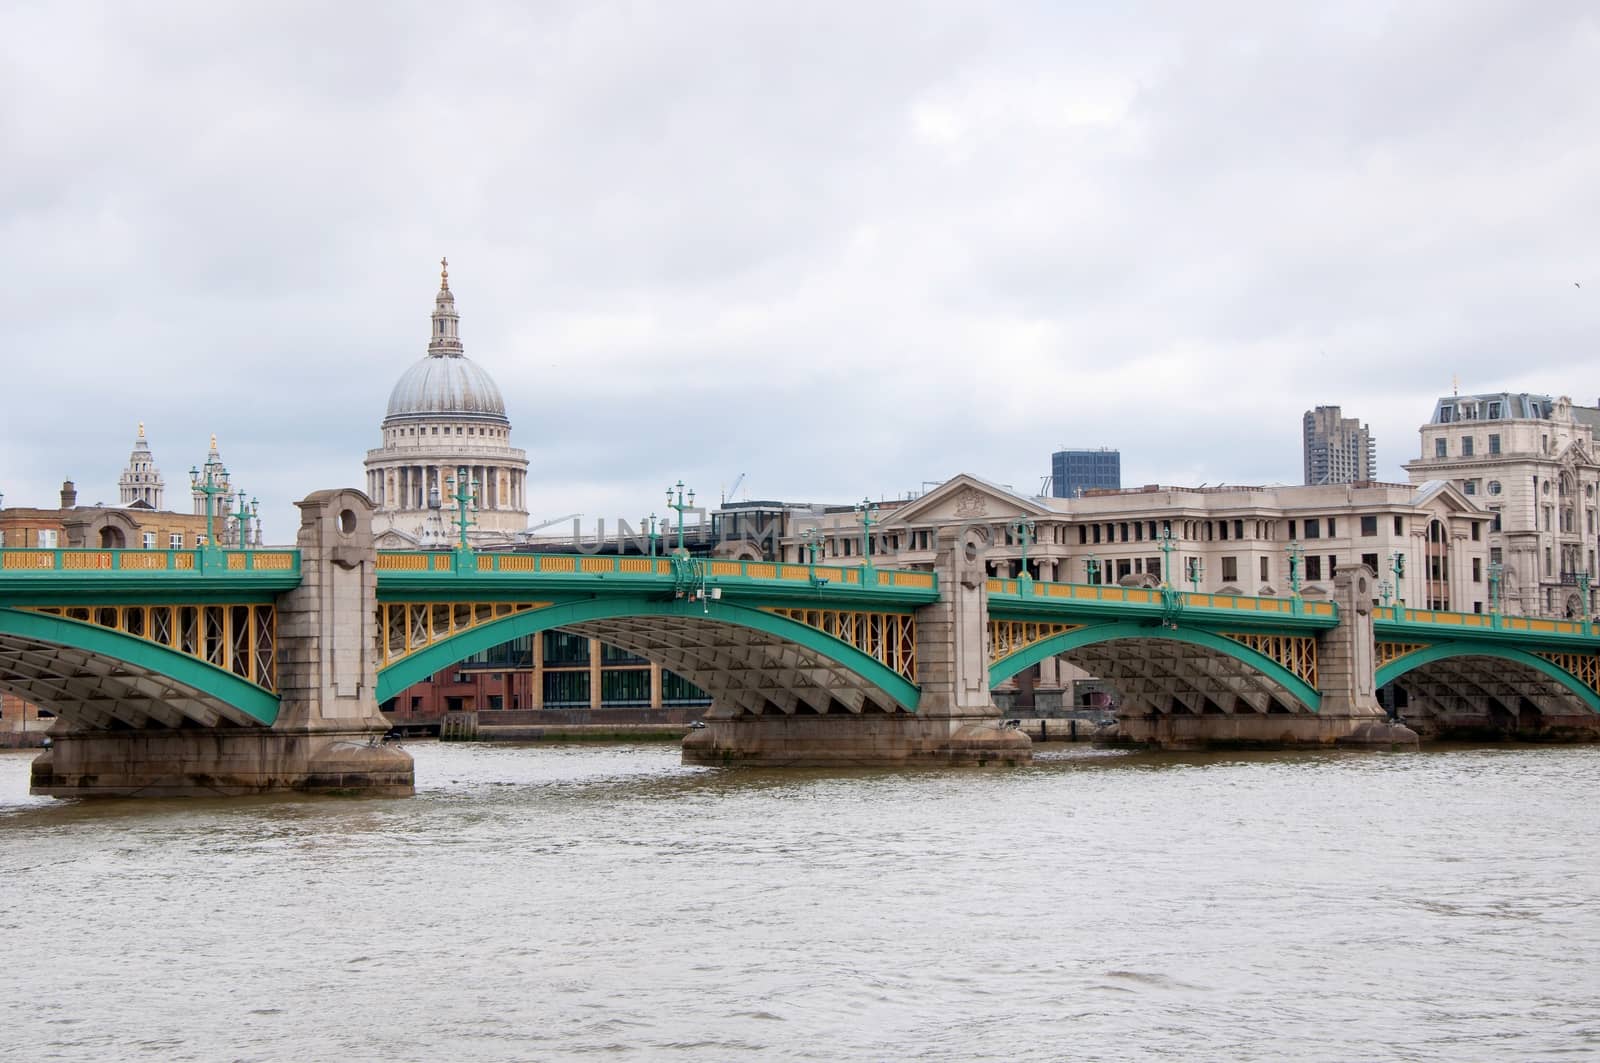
69	495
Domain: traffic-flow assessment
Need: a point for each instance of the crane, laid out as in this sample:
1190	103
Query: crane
729	493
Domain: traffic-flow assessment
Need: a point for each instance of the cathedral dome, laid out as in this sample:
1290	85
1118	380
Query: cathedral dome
446	386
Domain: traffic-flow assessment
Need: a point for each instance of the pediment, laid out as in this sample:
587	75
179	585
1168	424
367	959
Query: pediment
967	498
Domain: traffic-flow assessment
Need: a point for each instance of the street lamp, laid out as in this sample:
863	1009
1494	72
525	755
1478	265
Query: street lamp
242	518
1024	529
1294	569
1196	570
462	492
815	540
869	516
210	480
1496	574
1166	543
680	507
651	527
1397	565
1091	566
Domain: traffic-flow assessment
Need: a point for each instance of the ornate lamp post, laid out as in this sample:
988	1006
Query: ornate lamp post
210	480
462	492
1496	574
242	518
1091	567
869	516
1385	590
1294	573
1196	570
815	540
651	527
680	506
1397	565
1166	543
1023	529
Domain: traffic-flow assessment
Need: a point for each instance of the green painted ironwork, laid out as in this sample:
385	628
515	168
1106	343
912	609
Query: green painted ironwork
145	577
441	655
1113	631
143	655
1443	651
1076	602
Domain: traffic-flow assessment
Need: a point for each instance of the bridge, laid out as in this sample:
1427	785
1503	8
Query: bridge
238	671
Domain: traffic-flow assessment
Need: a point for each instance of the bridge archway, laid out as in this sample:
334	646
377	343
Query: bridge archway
748	660
1153	667
105	679
1495	688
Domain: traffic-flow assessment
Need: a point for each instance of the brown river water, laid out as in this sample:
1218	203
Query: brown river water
587	902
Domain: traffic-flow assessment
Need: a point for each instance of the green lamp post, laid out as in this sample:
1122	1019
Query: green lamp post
1397	565
210	480
242	518
1166	543
868	513
680	506
1196	571
1023	529
652	531
463	493
1091	568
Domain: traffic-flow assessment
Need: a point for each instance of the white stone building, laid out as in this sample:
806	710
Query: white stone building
1530	461
1234	540
446	414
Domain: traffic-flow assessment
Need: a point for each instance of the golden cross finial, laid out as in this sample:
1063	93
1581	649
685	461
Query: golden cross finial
141	429
444	274
213	441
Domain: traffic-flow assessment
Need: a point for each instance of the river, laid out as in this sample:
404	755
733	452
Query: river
607	902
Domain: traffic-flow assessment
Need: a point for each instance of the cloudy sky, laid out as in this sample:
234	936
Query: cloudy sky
841	248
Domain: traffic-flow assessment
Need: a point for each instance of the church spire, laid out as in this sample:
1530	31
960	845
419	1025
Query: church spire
141	482
446	339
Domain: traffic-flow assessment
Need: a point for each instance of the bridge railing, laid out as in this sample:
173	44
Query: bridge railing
1098	592
278	562
448	563
1484	622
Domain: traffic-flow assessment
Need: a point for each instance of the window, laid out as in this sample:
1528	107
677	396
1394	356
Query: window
1369	525
199	540
1469	487
1222	529
149	540
1494	555
1548	510
1399	525
1477	531
1313	528
497	701
1292	535
47	538
1230	570
1370	560
1494	415
1477	570
1313	566
1494	487
1494	443
1333	527
1441	449
1495	524
175	541
416	703
1466	446
1264	570
1333	566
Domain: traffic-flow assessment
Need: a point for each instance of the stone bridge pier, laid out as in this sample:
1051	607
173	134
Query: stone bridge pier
955	720
1349	713
328	735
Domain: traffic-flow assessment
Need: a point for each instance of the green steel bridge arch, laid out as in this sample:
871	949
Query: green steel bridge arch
1447	651
655	628
1126	630
69	666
